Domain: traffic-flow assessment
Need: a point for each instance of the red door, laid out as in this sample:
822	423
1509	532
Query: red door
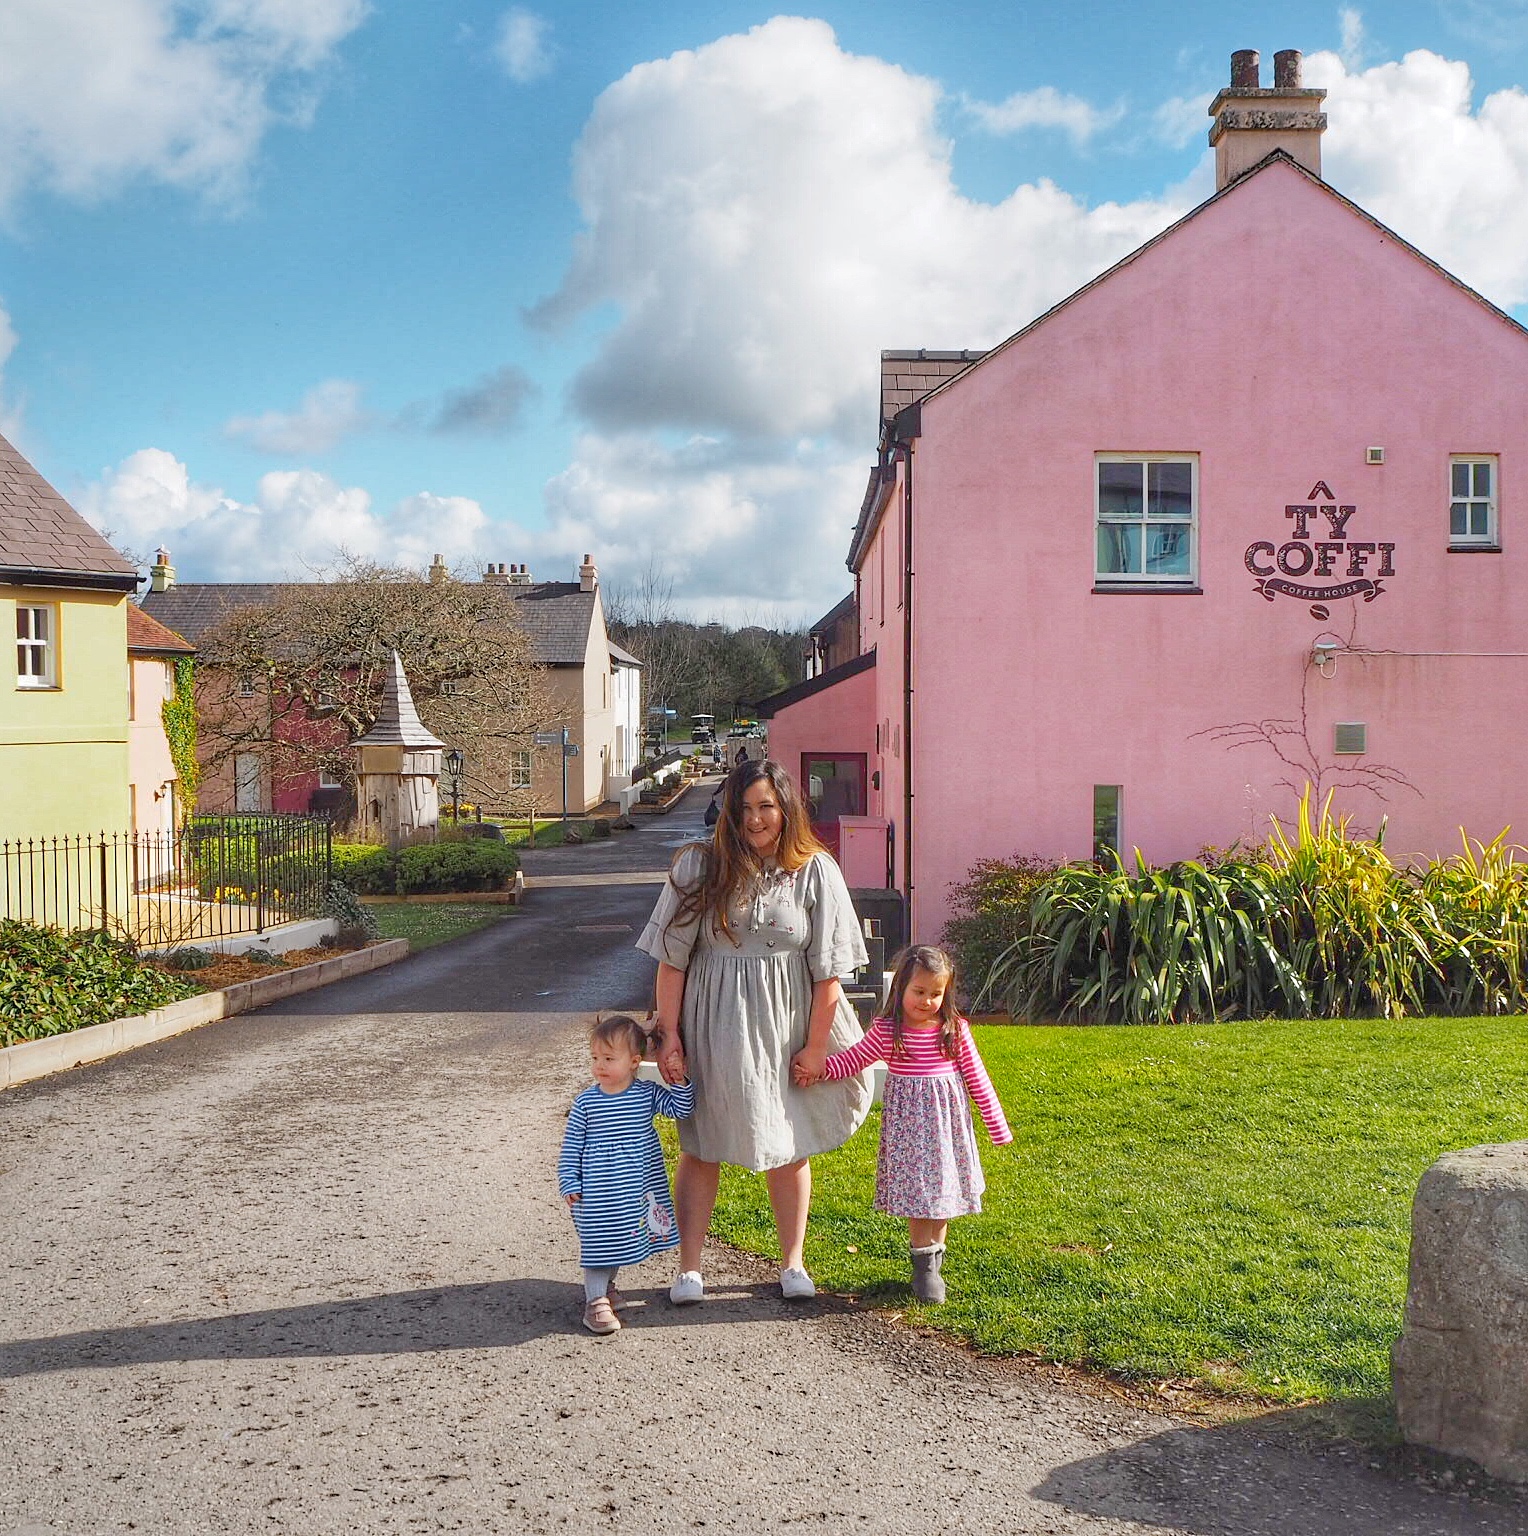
834	784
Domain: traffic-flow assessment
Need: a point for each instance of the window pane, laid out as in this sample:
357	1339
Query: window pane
1170	490
1106	828
1458	515
1167	549
1119	490
1478	518
1461	479
1119	549
1483	480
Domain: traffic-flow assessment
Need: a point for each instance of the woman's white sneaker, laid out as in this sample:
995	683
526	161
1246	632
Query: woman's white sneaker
687	1289
796	1285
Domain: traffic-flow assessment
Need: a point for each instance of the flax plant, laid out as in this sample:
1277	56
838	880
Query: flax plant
1481	896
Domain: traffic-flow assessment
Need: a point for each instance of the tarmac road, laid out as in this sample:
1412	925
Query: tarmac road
306	1271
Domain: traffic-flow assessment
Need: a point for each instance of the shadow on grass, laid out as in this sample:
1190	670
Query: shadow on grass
495	1315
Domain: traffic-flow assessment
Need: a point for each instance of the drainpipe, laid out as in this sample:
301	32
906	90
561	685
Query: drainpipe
907	425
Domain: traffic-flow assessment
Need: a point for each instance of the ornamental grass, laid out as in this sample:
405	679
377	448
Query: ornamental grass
1317	924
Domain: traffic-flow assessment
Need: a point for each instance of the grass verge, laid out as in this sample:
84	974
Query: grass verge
1225	1207
424	924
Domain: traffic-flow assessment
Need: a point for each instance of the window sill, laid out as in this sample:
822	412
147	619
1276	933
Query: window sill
1474	549
1153	588
38	688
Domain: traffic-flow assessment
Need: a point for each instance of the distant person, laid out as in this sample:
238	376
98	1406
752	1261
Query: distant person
742	754
714	810
611	1170
751	934
928	1170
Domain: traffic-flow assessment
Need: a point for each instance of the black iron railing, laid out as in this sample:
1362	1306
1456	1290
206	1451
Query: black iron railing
211	878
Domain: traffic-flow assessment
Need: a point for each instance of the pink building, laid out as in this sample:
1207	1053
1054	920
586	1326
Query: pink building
1233	518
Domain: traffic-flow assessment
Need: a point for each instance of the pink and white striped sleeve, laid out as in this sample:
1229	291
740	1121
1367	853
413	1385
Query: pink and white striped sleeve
979	1086
868	1050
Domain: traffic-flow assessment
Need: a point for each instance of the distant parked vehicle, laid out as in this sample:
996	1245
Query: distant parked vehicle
702	730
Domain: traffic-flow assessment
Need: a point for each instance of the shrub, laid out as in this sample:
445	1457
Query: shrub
477	865
367	868
189	958
991	914
52	981
1316	925
358	923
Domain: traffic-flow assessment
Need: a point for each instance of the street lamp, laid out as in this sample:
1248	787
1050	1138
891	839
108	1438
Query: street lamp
454	759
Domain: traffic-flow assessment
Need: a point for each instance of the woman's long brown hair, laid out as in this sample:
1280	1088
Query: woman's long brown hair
730	865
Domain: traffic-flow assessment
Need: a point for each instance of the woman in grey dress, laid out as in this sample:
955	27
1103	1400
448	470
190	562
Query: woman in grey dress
751	935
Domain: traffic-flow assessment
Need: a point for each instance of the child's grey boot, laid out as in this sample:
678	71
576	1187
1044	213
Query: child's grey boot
928	1283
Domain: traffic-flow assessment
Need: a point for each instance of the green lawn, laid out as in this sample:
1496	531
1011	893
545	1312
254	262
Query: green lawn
429	922
518	833
1222	1204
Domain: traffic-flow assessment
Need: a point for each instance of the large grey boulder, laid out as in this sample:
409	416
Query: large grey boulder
1461	1365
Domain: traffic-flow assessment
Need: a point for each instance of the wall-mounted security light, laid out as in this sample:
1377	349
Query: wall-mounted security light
1323	653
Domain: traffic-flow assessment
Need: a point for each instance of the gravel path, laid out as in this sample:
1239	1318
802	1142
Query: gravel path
306	1271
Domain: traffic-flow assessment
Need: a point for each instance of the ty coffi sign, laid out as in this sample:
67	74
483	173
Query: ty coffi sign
1320	561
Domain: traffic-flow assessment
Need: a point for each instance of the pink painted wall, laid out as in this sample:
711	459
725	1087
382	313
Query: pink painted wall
838	719
1276	336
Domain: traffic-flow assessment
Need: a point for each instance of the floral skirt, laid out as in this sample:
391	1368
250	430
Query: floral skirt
928	1167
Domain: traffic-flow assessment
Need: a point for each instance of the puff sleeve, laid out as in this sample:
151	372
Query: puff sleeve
835	947
669	941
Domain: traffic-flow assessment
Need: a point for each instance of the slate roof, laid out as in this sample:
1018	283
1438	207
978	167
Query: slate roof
146	633
193	609
41	535
555	614
620	654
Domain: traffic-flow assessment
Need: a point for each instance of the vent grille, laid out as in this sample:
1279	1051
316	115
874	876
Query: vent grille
1374	455
1350	737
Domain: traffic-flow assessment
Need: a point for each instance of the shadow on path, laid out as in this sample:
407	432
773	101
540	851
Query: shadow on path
494	1315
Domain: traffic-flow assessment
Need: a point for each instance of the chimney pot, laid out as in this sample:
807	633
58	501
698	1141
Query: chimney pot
1286	69
1245	72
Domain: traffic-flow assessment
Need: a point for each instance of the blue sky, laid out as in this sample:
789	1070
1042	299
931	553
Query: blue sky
288	276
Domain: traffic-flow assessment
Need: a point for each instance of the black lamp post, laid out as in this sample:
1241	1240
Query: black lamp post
454	760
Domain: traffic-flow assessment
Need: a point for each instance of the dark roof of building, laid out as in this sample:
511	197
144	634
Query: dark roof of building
41	535
767	709
555	614
839	611
199	606
909	376
146	633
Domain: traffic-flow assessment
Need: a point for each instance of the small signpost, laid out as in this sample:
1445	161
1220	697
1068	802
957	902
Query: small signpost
569	749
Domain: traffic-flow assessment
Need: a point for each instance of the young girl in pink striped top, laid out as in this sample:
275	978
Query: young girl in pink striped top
928	1170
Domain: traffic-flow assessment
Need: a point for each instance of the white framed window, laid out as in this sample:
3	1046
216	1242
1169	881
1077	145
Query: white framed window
1146	519
519	770
246	686
329	779
450	688
1472	509
36	645
248	782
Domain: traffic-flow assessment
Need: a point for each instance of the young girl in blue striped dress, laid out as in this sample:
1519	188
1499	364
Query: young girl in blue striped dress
611	1170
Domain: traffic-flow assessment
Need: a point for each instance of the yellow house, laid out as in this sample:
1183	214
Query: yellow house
64	686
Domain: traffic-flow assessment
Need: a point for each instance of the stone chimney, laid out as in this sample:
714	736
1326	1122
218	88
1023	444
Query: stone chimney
161	572
1251	122
496	575
438	571
588	576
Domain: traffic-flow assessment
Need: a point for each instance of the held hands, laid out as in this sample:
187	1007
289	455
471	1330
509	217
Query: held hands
573	1198
669	1054
808	1066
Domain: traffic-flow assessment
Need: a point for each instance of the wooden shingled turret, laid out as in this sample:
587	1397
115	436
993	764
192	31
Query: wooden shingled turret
398	764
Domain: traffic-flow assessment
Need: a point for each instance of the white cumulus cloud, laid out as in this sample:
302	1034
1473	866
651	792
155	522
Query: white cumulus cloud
1045	107
1406	142
329	413
523	45
96	94
298	521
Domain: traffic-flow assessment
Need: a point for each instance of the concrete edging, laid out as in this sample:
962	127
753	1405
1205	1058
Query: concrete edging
57	1053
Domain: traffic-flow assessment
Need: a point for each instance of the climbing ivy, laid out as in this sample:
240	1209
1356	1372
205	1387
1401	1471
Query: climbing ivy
180	731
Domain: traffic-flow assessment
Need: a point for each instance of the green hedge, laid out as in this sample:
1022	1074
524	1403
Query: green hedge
52	982
991	908
471	864
1316	925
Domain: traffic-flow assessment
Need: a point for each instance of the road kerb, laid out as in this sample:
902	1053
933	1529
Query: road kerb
32	1059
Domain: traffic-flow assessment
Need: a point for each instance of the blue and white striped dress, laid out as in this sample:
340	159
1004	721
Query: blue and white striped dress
612	1159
